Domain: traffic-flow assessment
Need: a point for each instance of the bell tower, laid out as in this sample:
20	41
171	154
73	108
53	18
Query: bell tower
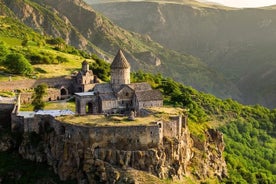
85	66
120	70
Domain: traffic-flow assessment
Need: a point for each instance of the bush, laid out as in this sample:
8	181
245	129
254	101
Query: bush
101	69
3	51
17	64
38	95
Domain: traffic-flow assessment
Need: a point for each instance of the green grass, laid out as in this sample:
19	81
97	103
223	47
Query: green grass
11	41
7	94
59	105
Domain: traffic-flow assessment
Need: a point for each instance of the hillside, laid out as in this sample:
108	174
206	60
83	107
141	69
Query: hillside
235	42
248	133
87	29
49	57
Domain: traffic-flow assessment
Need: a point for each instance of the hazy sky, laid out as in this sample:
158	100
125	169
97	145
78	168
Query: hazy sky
246	3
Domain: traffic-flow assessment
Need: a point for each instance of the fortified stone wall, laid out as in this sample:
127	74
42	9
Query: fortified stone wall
52	95
111	137
72	150
5	112
17	123
173	127
126	137
97	154
26	84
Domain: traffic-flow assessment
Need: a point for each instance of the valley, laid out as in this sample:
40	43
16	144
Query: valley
237	43
200	57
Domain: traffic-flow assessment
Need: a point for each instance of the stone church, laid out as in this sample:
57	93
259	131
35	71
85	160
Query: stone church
85	79
118	96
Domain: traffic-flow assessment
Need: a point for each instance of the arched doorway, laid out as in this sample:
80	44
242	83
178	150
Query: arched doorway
89	108
63	92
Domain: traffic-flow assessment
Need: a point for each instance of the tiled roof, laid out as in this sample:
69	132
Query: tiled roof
151	95
119	62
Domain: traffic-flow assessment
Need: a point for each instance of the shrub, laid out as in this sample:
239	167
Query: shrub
17	64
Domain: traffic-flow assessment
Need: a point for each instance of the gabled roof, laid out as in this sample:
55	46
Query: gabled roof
151	95
108	97
143	86
124	87
120	61
103	88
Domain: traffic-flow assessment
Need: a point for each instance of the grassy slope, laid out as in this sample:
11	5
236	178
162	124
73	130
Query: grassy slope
13	33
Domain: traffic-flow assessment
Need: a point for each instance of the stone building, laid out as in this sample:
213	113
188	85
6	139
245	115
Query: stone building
85	79
118	96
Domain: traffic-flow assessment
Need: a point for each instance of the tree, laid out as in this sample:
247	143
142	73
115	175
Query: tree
39	92
17	64
101	69
3	50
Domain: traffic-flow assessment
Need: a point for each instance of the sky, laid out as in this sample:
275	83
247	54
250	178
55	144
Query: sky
245	3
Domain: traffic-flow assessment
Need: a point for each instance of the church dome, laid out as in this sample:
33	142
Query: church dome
119	62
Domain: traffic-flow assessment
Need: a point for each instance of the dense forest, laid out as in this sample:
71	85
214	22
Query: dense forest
249	131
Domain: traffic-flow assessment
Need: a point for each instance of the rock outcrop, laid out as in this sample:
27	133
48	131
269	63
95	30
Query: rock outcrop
77	158
208	157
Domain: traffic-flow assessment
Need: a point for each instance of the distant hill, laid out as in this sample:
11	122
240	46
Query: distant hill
79	25
239	43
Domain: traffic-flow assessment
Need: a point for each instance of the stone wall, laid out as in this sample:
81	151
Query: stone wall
109	137
27	84
51	95
103	154
146	104
126	137
5	112
86	104
88	152
17	123
172	128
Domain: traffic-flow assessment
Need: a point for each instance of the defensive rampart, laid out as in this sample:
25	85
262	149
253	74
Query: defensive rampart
57	82
5	112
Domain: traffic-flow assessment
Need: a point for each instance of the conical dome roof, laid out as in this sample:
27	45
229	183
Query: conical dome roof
120	62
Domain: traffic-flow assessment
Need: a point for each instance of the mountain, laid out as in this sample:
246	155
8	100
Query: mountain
239	43
79	25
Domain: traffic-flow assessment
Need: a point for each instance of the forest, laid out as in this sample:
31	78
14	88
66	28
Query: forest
249	131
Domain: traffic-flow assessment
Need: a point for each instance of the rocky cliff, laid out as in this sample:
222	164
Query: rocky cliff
73	156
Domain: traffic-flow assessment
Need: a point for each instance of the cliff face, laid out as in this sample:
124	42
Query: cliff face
46	21
76	155
208	157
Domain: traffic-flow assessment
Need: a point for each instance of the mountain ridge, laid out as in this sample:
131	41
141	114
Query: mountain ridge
96	33
228	41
